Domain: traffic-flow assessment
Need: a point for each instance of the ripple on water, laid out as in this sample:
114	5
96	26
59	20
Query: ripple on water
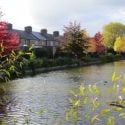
49	92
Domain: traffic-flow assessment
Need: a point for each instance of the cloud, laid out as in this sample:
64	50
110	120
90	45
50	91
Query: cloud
54	14
92	14
118	16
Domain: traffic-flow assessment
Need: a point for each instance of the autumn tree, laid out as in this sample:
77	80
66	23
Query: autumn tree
111	31
99	43
11	63
75	40
119	45
8	39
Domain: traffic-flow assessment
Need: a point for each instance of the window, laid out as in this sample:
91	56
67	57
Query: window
22	42
44	43
56	43
51	43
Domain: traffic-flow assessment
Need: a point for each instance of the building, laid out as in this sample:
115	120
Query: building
41	39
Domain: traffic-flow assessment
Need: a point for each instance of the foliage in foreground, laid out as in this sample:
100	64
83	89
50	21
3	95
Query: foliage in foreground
93	105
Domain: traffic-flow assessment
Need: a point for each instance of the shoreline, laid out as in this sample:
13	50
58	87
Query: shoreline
35	71
55	68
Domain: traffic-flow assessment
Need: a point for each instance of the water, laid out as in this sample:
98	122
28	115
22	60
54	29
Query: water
41	99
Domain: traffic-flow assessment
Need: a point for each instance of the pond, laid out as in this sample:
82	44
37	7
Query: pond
39	100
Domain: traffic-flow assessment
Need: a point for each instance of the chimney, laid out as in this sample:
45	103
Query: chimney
9	26
28	29
43	31
56	33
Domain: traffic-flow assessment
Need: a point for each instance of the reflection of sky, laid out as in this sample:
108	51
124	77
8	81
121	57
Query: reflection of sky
53	14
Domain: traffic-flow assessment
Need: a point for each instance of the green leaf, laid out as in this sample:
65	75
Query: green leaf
67	116
122	115
73	93
95	118
7	79
70	100
82	90
96	90
77	103
90	88
105	111
114	77
85	100
118	109
124	77
114	86
6	72
87	116
110	120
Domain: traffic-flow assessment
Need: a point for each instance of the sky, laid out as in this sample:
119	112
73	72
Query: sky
55	14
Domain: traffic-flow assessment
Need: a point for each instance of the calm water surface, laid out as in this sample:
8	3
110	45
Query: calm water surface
42	98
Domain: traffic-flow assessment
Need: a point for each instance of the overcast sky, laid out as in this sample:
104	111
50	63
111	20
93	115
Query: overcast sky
54	14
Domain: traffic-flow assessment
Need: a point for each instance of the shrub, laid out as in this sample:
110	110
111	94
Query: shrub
10	66
43	52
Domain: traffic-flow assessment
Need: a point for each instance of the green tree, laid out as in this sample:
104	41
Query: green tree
111	31
119	45
75	40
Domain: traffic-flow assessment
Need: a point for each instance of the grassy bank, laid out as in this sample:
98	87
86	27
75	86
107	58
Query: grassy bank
46	65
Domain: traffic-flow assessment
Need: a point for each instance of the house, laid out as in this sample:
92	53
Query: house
37	39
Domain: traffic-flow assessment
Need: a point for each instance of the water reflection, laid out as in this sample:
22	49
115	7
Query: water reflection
40	99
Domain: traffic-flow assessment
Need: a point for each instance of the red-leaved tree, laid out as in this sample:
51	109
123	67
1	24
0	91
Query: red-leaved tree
100	48
8	40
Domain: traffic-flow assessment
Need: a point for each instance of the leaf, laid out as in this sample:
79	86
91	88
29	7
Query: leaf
95	118
123	89
73	93
85	100
21	65
110	120
96	90
87	116
90	88
105	111
114	86
114	77
117	109
6	79
70	100
67	116
6	72
122	115
77	103
82	90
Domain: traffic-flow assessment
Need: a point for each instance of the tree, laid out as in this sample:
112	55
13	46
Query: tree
8	39
75	40
119	45
111	31
100	48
